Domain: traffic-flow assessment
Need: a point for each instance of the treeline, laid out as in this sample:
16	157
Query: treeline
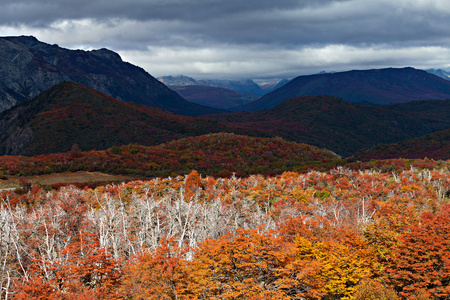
340	234
220	154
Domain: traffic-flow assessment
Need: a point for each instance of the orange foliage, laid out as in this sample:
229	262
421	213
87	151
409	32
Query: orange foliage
420	263
160	274
192	185
88	272
242	265
319	235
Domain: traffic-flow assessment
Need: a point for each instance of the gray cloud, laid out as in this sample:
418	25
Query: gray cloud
255	38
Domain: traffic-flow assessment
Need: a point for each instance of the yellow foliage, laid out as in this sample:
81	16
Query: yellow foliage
340	266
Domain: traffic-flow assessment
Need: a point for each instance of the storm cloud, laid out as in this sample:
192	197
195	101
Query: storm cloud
243	39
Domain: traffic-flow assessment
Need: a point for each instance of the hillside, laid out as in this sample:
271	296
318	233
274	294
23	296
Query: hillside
332	123
212	96
429	109
219	154
70	113
380	86
28	67
434	146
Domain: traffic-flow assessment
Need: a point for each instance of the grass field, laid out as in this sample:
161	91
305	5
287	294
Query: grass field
66	177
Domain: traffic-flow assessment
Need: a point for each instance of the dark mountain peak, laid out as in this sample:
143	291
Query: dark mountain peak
378	86
107	54
28	67
22	39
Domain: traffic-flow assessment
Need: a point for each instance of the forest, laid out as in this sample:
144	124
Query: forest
349	232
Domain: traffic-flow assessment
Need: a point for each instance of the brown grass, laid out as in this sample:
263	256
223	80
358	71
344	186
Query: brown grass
66	177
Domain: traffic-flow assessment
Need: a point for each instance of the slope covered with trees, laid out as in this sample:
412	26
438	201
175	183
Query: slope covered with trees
70	113
220	154
435	145
340	126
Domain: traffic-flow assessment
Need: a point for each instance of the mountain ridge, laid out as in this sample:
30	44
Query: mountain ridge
246	86
28	67
378	86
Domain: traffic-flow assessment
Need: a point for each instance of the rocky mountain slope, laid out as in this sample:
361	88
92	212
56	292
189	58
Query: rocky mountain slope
28	67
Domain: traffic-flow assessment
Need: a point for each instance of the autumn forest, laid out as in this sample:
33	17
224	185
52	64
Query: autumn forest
345	233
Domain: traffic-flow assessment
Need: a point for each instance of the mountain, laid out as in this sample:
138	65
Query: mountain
178	80
243	87
269	86
379	86
435	145
329	122
70	113
439	72
212	96
28	67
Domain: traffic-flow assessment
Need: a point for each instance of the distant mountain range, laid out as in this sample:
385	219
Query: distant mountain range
243	87
381	86
212	96
28	67
70	113
439	72
268	86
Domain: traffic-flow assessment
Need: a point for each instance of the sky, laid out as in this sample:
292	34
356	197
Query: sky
239	39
